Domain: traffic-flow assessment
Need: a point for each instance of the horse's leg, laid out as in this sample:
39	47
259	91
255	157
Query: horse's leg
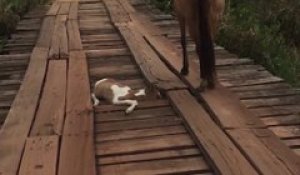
185	68
205	46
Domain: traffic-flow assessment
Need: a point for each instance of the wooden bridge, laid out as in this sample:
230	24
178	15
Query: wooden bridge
248	125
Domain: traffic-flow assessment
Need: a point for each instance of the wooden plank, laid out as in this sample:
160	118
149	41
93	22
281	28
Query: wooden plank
252	82
73	14
264	159
54	9
77	155
282	120
64	8
15	57
173	166
40	156
276	110
17	125
253	88
282	152
286	132
227	159
171	56
277	101
126	5
117	13
63	45
107	52
59	45
228	110
115	71
55	40
292	143
140	133
74	35
137	115
50	115
46	32
141	20
144	145
138	124
267	93
142	105
151	66
156	155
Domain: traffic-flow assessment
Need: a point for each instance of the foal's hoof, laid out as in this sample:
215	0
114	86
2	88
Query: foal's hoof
184	71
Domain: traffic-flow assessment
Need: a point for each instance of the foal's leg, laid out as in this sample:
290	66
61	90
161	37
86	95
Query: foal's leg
185	68
132	103
95	99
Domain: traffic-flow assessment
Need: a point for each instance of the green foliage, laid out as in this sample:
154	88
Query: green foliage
10	12
267	32
163	5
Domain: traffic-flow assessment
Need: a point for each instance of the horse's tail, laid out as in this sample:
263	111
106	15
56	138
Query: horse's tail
205	46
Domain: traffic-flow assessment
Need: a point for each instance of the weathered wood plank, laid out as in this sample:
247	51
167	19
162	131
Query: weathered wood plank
117	12
286	131
59	45
54	9
138	124
282	152
64	8
40	156
15	57
282	120
227	159
143	145
156	155
63	34
137	115
142	105
152	67
264	159
17	125
276	110
73	14
228	110
77	154
46	32
50	115
107	53
55	40
74	35
140	133
173	166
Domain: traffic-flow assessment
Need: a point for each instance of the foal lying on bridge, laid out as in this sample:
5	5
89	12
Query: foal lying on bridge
116	93
202	18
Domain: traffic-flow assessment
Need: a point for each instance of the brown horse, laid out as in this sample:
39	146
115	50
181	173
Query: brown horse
202	18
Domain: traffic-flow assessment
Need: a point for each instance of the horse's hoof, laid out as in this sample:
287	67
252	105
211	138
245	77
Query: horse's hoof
211	85
203	86
184	71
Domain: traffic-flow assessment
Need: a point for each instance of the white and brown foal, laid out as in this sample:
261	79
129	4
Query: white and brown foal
116	93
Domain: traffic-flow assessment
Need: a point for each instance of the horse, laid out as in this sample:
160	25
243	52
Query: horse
202	18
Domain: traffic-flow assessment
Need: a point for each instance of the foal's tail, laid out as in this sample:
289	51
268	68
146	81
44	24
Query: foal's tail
205	46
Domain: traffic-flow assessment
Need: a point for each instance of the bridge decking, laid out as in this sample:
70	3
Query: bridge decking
248	125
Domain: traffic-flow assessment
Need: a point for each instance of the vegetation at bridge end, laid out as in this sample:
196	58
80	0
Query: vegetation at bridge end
10	13
268	32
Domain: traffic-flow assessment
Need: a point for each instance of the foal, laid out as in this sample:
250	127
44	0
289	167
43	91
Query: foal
116	93
202	18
